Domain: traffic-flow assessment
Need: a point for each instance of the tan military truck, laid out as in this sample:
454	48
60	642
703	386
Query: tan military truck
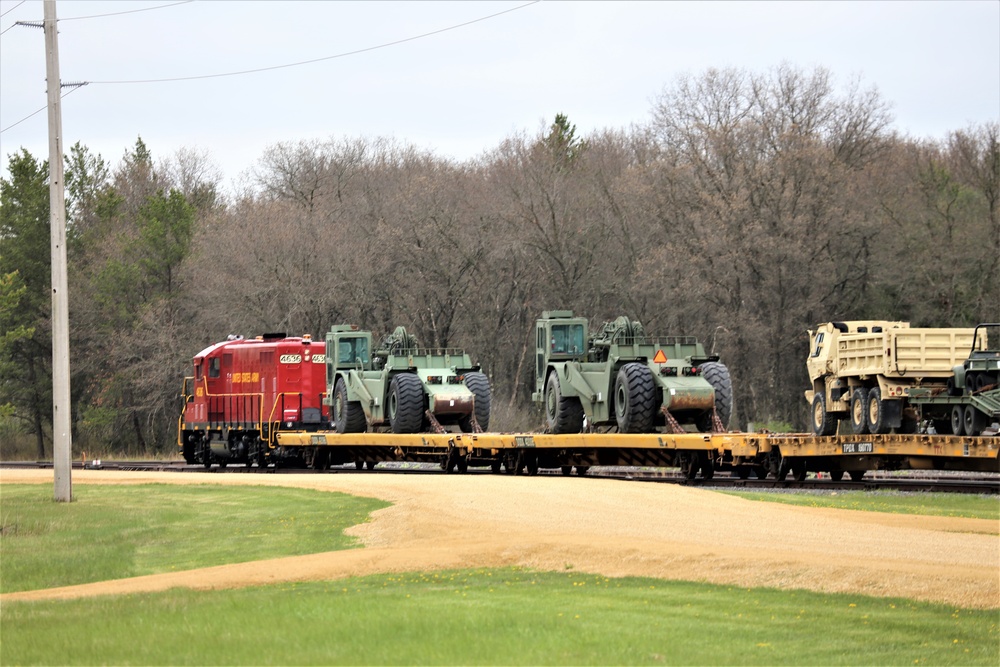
865	370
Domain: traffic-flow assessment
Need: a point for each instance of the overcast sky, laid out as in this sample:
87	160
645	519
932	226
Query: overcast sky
462	90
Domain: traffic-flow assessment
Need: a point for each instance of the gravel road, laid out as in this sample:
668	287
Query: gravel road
610	527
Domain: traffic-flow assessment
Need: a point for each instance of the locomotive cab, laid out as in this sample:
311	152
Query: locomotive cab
243	391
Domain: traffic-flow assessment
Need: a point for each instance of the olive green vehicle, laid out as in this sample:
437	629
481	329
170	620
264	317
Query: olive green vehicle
400	386
619	378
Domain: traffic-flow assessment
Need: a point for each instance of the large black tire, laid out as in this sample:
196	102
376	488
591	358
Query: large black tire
875	412
406	403
823	422
562	414
717	375
479	385
634	398
958	420
859	407
975	421
348	416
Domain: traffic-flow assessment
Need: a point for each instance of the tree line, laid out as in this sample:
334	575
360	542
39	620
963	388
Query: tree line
749	207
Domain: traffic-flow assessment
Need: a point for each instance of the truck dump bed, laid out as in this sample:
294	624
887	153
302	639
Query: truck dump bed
903	352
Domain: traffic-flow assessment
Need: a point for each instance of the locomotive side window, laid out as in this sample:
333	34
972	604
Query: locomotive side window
213	367
197	370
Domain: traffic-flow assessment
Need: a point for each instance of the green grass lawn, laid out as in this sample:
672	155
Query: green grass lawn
932	504
110	532
497	617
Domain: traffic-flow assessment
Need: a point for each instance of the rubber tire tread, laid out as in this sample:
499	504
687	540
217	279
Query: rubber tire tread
877	426
717	375
408	391
828	425
353	418
568	417
860	395
640	404
479	385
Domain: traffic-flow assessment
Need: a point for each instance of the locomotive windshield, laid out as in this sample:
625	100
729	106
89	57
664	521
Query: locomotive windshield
351	350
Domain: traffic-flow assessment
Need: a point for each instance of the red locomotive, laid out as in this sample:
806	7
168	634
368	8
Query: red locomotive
244	391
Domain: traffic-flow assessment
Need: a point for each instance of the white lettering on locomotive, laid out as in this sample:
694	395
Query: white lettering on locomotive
291	359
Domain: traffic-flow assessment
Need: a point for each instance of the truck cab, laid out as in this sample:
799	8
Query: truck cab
558	337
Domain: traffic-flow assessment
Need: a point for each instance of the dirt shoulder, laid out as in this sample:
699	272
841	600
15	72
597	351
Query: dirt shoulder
608	527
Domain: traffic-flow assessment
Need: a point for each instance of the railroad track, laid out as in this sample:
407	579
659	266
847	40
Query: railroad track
874	481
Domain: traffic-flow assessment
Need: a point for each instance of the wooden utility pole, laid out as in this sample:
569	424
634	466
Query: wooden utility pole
62	437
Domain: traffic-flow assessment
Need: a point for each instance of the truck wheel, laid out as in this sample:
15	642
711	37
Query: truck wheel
875	412
859	422
348	416
958	420
975	421
479	385
823	422
717	375
634	391
406	403
563	415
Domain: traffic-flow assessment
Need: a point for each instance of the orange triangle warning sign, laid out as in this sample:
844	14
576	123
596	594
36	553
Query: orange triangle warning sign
660	358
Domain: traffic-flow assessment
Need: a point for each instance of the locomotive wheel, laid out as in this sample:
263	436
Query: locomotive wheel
823	422
717	375
406	403
958	420
262	456
859	421
348	416
875	412
479	385
563	415
974	420
634	392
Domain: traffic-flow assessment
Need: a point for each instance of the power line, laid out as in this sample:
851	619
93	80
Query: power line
94	16
74	86
10	10
77	86
316	60
131	11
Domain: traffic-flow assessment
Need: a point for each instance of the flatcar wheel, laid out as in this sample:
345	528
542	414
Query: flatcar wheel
761	472
495	466
836	475
531	463
582	470
359	465
783	469
566	470
857	475
743	472
799	471
463	465
370	465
